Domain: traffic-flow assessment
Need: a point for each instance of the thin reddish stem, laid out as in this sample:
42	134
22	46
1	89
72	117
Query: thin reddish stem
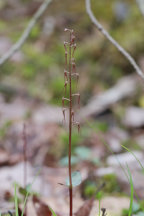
69	73
70	131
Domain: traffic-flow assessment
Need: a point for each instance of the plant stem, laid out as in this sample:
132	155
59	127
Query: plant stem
70	71
70	133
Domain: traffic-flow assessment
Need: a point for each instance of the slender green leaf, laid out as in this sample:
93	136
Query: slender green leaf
99	207
124	171
28	192
132	192
24	191
53	213
16	201
134	156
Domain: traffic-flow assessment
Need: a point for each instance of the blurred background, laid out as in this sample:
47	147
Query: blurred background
112	101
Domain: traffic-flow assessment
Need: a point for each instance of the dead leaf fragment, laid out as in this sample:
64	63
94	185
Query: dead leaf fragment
41	208
85	209
4	158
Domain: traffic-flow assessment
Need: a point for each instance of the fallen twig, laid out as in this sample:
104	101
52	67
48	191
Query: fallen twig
26	32
113	41
125	87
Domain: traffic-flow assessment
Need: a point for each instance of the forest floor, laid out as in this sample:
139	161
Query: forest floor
111	114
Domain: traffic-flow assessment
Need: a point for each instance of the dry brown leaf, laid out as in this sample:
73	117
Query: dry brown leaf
4	157
85	209
41	208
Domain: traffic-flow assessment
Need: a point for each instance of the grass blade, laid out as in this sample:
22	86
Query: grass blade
99	213
27	195
16	201
122	168
132	192
134	156
53	213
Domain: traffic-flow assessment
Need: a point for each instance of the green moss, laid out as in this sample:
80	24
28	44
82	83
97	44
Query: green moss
35	33
133	39
91	186
16	29
89	190
57	89
115	73
111	183
29	71
7	69
38	91
36	63
58	53
89	49
103	9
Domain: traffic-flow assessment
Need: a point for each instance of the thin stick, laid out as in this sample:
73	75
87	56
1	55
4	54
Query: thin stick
113	41
70	132
26	32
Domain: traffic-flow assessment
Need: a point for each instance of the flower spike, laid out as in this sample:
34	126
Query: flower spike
69	73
